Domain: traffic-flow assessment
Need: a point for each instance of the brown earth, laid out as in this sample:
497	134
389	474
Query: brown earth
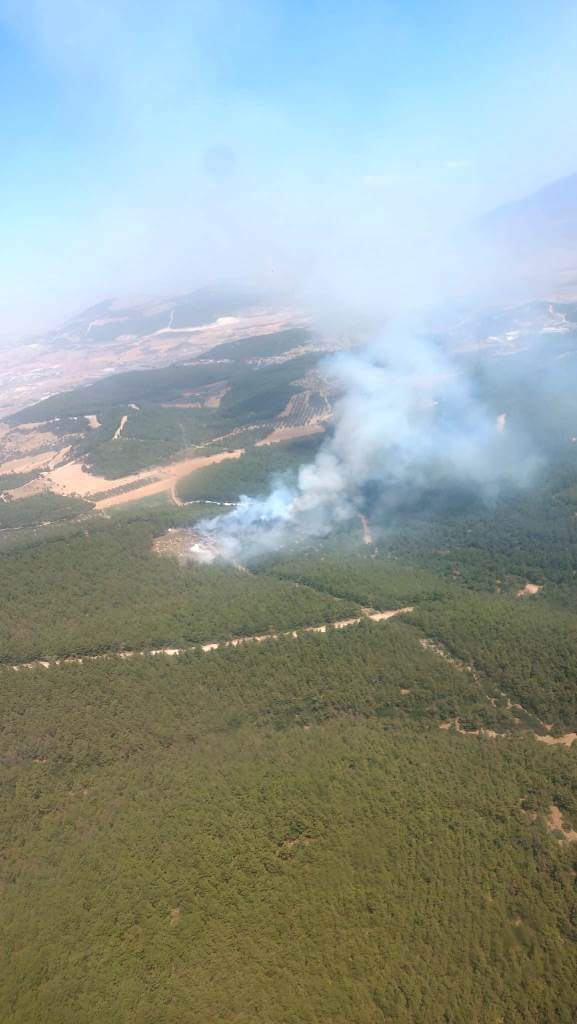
168	479
529	589
291	433
556	824
455	723
26	442
299	418
29	490
553	741
26	464
382	616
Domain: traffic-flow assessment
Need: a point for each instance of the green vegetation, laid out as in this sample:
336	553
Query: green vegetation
119	390
108	590
261	345
154	435
278	834
127	455
251	474
9	481
526	648
168	384
163	410
40	508
261	394
374	581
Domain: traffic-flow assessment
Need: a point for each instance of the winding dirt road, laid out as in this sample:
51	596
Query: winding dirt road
218	644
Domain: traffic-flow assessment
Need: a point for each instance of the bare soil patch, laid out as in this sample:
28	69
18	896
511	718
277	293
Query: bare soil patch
455	723
26	464
301	417
555	741
529	590
74	478
291	433
29	490
27	442
381	616
120	428
367	535
556	824
208	397
168	479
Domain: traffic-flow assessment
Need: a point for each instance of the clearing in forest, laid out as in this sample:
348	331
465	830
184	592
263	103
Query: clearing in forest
73	479
556	824
529	590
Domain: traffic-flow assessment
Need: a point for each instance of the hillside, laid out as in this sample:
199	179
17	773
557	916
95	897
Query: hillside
539	234
336	784
386	810
136	434
115	336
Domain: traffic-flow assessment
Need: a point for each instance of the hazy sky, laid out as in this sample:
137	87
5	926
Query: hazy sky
151	146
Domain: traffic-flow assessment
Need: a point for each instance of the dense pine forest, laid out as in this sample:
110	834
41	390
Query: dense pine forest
373	823
280	833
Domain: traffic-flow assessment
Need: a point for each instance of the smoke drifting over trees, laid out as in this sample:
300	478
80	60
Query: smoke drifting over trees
409	418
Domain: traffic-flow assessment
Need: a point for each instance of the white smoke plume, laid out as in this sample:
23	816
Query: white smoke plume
408	416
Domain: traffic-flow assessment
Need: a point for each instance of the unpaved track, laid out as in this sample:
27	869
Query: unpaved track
120	428
72	479
367	536
239	641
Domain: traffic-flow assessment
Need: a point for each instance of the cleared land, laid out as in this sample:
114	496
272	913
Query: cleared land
74	479
28	463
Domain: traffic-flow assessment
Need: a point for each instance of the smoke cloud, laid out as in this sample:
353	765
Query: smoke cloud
308	148
408	417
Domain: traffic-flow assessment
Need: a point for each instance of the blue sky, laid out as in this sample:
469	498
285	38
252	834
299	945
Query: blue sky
149	146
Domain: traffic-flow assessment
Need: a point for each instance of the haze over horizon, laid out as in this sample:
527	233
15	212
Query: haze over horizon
283	145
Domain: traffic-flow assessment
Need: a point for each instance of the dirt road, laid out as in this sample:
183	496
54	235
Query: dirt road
73	479
220	644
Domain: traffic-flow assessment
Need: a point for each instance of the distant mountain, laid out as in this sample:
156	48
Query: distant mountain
547	215
538	236
113	319
118	335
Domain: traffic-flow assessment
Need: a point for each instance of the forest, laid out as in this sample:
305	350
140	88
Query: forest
106	589
262	345
167	384
40	508
377	822
169	411
252	474
281	833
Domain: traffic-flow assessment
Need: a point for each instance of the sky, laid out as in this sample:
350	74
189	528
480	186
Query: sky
155	147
